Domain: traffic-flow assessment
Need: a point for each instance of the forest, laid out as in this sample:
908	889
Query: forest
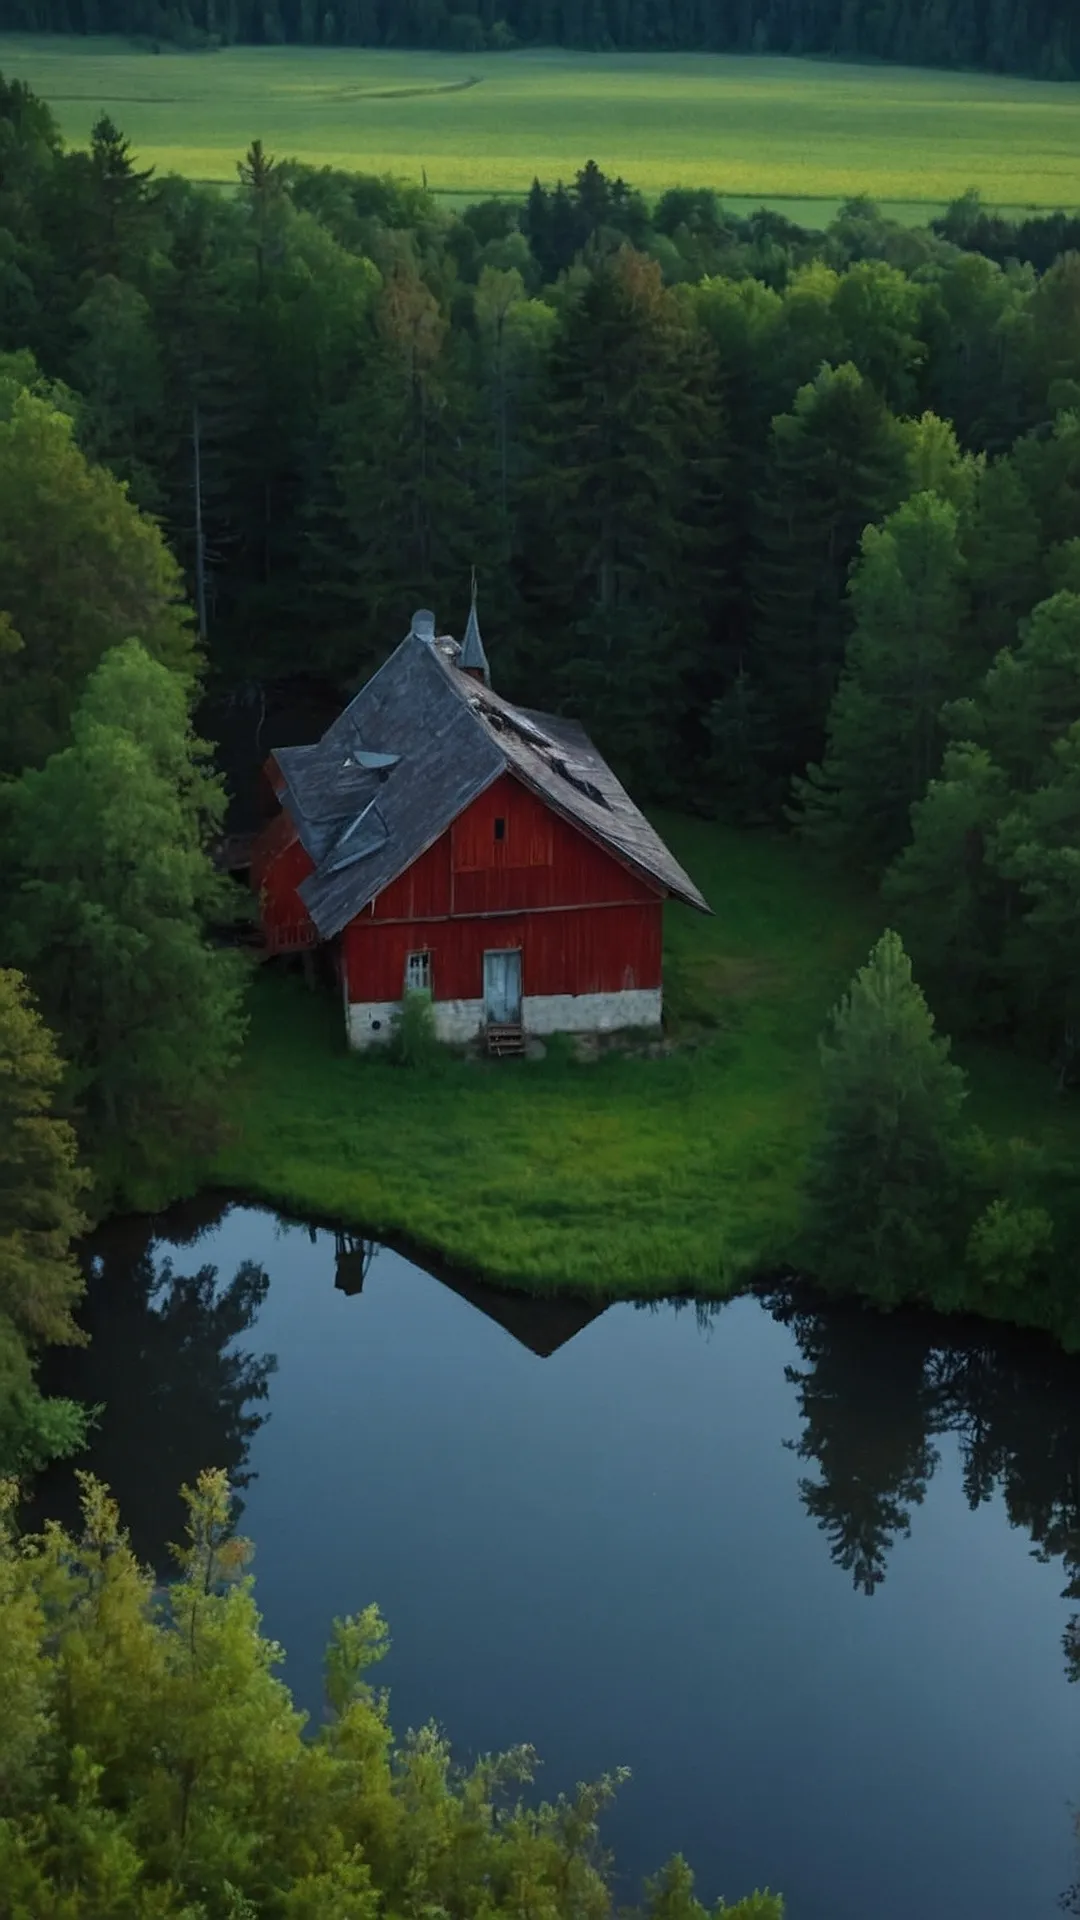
1039	37
814	502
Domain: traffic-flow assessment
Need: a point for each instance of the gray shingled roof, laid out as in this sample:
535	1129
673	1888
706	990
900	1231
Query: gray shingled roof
415	747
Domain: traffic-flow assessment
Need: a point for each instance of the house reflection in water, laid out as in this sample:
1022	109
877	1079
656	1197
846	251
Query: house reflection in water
542	1325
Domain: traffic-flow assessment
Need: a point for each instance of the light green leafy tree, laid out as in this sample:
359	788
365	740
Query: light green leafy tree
884	1177
153	1767
41	1184
109	920
80	571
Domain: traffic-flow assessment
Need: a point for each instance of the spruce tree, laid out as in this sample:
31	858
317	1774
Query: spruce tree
945	893
1002	546
626	495
837	463
885	736
1037	851
884	1183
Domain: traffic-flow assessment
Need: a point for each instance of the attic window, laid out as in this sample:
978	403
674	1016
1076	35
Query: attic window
500	829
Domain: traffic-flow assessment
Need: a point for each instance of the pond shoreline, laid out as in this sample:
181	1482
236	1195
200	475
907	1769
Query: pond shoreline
782	1283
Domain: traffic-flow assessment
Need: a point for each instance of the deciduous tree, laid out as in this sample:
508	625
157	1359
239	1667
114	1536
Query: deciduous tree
81	570
116	887
41	1185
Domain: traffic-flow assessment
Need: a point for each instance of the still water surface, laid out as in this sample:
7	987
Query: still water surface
802	1569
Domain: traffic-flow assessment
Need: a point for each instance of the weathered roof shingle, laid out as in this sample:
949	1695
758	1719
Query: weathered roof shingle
415	747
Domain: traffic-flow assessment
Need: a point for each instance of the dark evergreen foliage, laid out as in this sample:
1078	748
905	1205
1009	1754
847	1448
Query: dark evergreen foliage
661	439
1034	36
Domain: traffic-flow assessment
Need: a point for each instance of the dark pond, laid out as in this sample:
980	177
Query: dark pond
802	1569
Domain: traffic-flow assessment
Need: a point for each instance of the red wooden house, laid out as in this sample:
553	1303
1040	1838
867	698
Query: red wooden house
441	839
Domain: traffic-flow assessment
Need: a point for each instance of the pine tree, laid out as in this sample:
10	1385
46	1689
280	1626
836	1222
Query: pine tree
1037	850
121	207
945	894
884	1184
837	464
626	494
1002	546
904	660
405	435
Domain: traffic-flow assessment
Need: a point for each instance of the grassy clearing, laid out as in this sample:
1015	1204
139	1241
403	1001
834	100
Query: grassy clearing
784	131
631	1175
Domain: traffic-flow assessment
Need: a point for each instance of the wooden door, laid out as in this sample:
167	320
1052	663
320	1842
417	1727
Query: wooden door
502	987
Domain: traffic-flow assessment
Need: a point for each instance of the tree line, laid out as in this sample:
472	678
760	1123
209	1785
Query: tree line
1008	36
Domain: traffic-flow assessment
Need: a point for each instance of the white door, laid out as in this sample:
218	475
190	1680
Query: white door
502	988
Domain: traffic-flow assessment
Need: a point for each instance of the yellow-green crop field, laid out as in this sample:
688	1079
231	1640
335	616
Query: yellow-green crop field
759	129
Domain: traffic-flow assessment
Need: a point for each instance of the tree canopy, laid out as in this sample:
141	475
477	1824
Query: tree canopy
152	1763
80	571
41	1187
115	887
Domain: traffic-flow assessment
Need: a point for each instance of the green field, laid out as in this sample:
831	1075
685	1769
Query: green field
782	131
629	1175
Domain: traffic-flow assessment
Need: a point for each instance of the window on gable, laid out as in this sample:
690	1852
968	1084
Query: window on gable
500	829
418	973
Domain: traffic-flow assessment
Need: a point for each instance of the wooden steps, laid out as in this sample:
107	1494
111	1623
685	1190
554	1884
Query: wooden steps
504	1042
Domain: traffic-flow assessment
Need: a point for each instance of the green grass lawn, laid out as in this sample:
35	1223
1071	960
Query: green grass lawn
782	131
630	1175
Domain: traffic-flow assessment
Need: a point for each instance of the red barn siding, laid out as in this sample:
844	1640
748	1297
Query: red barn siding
279	865
578	950
541	861
583	921
527	836
423	890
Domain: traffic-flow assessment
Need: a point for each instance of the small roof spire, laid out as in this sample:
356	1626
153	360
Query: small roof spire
472	658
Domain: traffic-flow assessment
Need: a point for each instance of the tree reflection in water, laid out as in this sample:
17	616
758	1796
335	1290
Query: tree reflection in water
877	1390
176	1390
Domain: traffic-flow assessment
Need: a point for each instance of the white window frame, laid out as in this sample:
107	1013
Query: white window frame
418	971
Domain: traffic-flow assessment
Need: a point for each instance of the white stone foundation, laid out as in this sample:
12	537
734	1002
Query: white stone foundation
458	1022
592	1012
371	1022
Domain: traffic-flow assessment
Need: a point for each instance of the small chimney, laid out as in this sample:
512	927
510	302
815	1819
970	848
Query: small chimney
473	660
423	626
